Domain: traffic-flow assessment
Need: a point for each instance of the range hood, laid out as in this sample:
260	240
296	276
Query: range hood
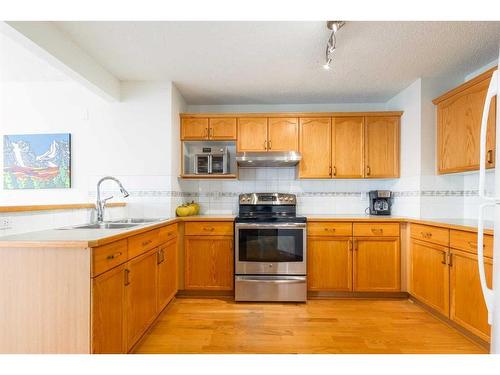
267	159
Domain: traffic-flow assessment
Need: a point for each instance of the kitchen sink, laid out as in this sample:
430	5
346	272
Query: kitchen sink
103	226
136	221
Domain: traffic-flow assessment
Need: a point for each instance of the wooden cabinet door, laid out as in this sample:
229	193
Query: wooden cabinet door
167	273
329	264
429	275
222	129
194	129
252	134
283	134
108	312
208	262
376	264
315	139
141	294
467	303
381	147
347	147
459	127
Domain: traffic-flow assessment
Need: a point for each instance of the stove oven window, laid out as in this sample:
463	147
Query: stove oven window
271	245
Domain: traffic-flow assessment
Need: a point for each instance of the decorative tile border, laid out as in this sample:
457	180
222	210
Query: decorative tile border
303	194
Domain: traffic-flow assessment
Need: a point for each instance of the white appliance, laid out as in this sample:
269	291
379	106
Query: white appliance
491	296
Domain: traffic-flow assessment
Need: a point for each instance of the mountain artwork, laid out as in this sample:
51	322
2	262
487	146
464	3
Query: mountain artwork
37	161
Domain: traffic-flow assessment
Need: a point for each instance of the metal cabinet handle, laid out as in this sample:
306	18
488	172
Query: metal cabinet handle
489	156
147	242
334	170
205	135
127	279
349	245
368	170
330	229
377	230
450	259
209	229
113	256
355	245
330	171
474	245
160	256
270	144
265	144
445	256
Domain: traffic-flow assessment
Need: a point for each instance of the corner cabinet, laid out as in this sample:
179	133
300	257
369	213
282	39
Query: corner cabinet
459	114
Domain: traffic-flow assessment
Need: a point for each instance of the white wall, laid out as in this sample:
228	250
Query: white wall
133	140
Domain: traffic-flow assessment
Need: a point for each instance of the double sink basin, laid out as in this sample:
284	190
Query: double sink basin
115	224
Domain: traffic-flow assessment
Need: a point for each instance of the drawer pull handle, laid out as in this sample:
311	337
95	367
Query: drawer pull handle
474	244
330	229
170	234
147	242
209	229
113	256
377	230
426	234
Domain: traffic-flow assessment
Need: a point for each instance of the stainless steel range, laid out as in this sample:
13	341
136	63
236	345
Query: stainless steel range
270	249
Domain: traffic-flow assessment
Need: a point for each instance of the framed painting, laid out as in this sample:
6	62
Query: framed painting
37	161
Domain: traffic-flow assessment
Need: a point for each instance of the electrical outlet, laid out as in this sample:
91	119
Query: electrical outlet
5	223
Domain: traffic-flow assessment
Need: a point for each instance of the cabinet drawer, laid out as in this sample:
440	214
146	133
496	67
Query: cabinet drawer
440	236
209	228
143	242
376	229
108	256
467	241
329	229
168	232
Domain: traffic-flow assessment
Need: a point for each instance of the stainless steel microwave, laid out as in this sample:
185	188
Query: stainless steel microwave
212	161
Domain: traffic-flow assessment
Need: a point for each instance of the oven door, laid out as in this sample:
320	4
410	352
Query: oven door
268	249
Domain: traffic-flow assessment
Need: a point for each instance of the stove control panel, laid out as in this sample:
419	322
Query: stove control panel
268	199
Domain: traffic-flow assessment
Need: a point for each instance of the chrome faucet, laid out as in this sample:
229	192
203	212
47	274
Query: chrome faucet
101	203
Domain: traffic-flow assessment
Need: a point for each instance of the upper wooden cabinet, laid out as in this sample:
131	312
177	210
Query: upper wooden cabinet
381	147
283	134
217	129
252	134
459	114
315	142
347	147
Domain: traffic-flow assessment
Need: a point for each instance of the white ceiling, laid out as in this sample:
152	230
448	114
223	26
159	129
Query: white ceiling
280	62
17	64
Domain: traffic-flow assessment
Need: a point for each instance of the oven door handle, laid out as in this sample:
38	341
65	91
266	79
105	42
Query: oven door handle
277	280
270	226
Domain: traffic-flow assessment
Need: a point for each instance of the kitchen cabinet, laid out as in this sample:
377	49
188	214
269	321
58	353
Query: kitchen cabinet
381	147
204	128
315	146
459	114
194	129
347	147
140	294
208	262
329	263
376	264
167	273
108	312
252	134
429	274
467	303
222	129
283	134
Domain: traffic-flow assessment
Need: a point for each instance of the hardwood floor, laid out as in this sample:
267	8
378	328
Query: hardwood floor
191	325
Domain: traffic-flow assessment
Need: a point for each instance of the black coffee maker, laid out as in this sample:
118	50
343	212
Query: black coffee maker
380	202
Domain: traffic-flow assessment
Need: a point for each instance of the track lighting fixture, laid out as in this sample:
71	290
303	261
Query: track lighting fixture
334	26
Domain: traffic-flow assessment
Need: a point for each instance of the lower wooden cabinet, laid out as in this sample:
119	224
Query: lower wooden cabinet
167	273
141	294
467	304
376	264
108	312
429	275
208	262
329	264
